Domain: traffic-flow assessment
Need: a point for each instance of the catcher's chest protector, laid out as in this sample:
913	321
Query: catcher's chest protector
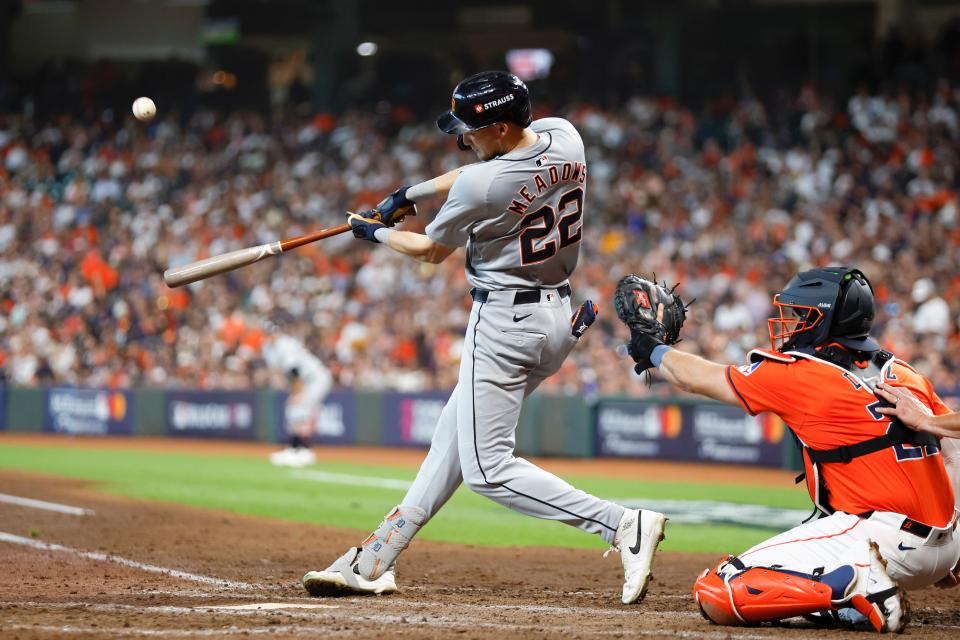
867	377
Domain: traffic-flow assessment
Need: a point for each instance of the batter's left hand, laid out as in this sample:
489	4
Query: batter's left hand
583	318
363	227
395	206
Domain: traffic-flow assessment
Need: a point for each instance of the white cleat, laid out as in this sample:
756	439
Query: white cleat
880	600
306	457
284	458
291	457
637	537
343	579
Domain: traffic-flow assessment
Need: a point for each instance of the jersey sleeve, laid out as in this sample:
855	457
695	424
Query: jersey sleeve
939	407
465	205
763	386
918	384
546	124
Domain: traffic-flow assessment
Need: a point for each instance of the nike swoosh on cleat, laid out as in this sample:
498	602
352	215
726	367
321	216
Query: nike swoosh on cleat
635	549
903	548
518	319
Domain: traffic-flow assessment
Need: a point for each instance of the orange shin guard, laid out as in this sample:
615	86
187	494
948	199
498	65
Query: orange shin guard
758	594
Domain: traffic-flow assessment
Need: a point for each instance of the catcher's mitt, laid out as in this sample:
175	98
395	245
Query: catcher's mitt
650	308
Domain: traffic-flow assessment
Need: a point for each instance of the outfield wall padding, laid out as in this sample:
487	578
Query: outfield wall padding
150	411
683	429
25	407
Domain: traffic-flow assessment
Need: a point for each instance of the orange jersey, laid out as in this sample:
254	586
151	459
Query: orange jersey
827	407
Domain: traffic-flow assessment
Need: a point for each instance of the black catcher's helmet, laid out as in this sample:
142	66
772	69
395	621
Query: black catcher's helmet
819	306
484	99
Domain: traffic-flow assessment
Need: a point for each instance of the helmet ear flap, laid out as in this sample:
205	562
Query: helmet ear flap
854	312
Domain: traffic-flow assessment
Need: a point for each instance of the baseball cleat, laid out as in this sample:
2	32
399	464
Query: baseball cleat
306	457
293	457
343	578
637	537
880	600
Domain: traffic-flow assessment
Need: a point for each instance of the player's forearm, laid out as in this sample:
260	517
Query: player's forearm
439	186
694	374
418	246
945	426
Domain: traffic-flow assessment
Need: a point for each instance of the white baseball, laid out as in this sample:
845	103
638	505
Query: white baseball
144	109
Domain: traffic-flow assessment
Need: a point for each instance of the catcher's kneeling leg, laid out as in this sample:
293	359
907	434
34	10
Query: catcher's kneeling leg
732	594
381	548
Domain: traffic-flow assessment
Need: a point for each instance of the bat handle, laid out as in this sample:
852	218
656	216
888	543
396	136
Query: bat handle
299	241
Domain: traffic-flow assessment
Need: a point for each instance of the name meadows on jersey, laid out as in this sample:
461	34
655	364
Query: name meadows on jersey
568	172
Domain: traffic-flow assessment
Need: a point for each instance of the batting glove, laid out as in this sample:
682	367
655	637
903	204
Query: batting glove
583	318
365	228
393	203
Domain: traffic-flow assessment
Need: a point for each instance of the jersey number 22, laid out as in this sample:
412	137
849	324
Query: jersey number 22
537	226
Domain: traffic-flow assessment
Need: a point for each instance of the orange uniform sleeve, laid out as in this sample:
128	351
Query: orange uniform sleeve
764	385
922	388
936	404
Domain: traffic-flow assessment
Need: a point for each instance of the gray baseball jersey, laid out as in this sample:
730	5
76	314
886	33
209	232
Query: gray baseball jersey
520	215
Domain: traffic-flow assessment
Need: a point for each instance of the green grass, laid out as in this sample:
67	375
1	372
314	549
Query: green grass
252	486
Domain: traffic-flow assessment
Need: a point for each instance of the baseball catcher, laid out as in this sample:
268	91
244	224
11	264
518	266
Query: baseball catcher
888	513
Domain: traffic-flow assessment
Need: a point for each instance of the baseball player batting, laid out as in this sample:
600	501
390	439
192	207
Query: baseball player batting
889	517
519	213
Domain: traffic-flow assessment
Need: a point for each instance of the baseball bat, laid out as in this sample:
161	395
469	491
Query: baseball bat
215	265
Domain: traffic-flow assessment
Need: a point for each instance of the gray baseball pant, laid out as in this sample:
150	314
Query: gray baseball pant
508	351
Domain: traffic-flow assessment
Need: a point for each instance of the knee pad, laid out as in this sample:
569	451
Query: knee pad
381	548
731	594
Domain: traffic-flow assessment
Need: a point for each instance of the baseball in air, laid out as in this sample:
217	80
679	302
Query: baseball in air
144	109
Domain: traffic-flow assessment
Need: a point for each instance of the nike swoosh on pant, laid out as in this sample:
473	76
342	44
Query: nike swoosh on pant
518	319
636	547
903	548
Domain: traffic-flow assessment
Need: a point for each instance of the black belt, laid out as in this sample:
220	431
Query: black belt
914	527
522	296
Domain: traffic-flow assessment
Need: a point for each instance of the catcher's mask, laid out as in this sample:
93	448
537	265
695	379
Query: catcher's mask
820	306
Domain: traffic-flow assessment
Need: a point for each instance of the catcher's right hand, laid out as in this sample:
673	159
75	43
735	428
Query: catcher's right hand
654	313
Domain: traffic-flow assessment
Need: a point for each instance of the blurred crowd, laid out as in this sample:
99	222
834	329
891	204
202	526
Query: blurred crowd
729	200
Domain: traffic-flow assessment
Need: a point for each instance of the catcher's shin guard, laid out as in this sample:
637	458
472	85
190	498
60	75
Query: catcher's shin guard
733	595
380	550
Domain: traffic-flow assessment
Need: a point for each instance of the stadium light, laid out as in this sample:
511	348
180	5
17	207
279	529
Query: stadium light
366	49
530	64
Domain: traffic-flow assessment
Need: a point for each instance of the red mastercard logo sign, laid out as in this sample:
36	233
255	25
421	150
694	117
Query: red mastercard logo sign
118	406
671	421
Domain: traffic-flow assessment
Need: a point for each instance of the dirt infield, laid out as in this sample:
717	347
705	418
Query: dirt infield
118	589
